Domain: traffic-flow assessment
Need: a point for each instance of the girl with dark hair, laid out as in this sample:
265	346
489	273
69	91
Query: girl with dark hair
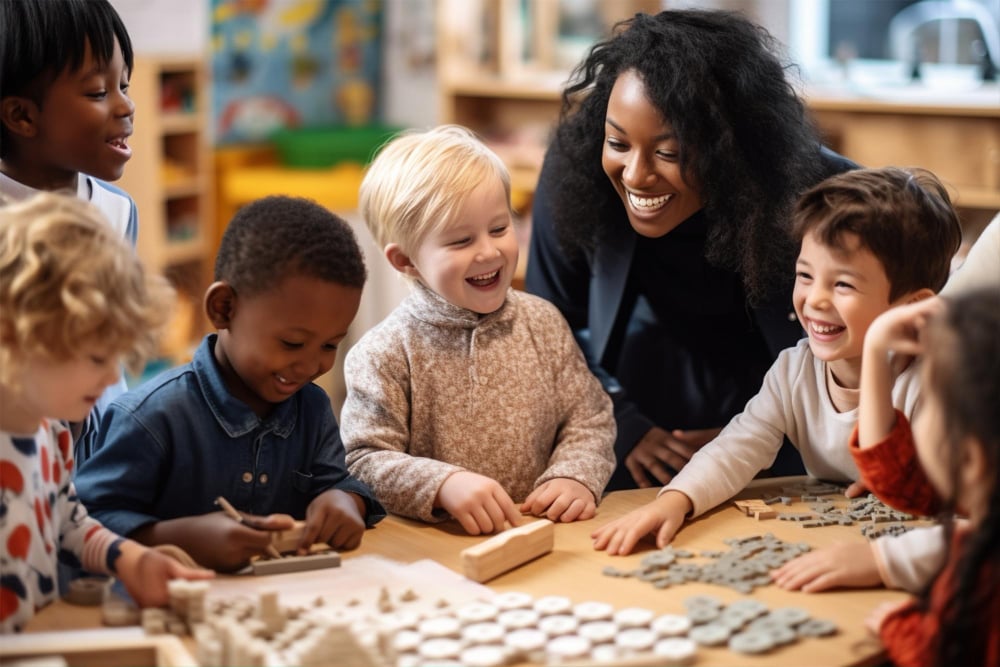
948	463
660	225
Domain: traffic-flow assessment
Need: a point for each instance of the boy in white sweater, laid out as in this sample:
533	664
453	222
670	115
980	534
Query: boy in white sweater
871	239
471	399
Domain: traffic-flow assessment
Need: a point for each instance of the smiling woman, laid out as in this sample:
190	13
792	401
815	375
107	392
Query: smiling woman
660	225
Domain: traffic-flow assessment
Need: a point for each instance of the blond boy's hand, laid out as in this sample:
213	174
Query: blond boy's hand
336	518
843	565
477	502
663	516
561	499
145	573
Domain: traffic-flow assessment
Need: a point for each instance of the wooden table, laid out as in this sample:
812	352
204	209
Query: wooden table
574	569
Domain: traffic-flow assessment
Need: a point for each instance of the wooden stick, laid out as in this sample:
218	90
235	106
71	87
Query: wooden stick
235	515
508	550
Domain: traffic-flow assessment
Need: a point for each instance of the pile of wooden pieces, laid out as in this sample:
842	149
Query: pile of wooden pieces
743	568
867	510
507	628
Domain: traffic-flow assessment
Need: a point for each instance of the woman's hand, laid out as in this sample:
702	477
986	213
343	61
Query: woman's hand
659	450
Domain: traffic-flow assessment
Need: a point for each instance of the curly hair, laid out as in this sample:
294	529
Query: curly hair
43	39
277	236
66	278
744	135
897	214
962	372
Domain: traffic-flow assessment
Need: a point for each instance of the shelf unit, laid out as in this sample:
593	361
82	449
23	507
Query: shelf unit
510	94
501	68
170	177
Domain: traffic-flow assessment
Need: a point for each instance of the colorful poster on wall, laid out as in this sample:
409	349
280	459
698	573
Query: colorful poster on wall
293	63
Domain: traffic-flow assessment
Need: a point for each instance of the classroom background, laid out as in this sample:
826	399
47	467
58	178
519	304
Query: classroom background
237	99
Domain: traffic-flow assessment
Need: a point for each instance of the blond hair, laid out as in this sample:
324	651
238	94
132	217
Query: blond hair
67	279
419	181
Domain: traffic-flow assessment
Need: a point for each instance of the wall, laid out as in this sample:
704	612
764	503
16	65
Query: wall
165	26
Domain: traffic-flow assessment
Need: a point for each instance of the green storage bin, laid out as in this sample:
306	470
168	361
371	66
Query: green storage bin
331	145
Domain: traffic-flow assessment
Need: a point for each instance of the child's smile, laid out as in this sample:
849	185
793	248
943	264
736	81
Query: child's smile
470	262
837	295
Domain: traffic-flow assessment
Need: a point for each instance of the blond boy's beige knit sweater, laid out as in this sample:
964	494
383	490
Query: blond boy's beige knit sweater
434	389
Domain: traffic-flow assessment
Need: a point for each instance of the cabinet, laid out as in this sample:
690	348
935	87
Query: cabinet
958	139
170	179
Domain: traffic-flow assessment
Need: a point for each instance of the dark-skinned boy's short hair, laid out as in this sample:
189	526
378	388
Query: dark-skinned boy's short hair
43	38
902	216
278	236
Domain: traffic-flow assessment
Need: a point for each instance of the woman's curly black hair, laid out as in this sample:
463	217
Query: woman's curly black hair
744	134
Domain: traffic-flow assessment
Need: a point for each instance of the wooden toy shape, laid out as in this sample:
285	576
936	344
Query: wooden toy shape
287	540
508	550
315	561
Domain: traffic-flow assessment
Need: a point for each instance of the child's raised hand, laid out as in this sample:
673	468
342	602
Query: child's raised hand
843	565
145	573
561	499
335	517
663	516
477	502
898	329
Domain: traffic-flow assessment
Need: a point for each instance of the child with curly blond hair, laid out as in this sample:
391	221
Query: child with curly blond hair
74	304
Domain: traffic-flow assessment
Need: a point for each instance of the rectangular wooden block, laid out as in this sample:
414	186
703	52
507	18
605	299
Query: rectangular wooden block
315	561
508	550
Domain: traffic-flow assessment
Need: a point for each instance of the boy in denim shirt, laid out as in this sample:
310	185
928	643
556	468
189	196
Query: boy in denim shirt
243	419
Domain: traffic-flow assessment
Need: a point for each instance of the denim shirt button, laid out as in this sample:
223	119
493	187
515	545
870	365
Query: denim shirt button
248	477
263	478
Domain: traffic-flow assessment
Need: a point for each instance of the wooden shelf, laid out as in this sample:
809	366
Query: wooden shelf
181	122
170	177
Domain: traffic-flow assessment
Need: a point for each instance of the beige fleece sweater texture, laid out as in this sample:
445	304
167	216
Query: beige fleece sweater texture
435	389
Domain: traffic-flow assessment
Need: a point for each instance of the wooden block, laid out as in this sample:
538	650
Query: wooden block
286	540
768	513
316	561
508	550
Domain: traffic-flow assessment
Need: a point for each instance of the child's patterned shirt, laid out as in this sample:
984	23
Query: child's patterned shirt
41	520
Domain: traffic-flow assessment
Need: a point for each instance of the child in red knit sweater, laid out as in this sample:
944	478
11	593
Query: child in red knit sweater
949	464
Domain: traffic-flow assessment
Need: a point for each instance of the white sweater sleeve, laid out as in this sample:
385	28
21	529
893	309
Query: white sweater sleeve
909	561
747	445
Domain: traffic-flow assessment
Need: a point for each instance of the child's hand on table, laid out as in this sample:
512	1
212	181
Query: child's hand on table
145	573
842	565
877	617
561	499
477	502
335	517
664	516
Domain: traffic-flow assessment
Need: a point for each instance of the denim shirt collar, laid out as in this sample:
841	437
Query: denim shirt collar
233	415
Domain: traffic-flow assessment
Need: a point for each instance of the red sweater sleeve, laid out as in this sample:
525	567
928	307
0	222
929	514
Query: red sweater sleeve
892	471
910	635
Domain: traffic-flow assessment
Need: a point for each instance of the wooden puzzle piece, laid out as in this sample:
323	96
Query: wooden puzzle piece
508	550
314	561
